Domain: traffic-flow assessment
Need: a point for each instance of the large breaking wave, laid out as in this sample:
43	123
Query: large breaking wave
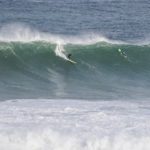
103	70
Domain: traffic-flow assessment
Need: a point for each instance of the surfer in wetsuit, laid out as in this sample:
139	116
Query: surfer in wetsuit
69	56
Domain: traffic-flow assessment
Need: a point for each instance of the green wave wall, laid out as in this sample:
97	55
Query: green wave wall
103	71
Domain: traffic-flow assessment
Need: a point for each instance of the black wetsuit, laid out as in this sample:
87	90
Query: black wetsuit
69	56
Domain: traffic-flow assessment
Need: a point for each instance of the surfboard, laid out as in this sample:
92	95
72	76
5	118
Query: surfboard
73	62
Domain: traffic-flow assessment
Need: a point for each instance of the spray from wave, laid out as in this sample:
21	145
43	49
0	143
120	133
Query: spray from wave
24	33
34	65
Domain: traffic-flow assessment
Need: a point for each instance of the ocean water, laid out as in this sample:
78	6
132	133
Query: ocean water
99	103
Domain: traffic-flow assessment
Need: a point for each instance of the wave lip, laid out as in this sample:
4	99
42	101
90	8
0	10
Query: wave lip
23	33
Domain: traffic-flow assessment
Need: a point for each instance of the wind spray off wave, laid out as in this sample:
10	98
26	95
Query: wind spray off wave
16	32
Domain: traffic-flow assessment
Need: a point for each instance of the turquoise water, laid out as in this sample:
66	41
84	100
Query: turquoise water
103	71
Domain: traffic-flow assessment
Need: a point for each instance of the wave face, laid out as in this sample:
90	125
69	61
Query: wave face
103	71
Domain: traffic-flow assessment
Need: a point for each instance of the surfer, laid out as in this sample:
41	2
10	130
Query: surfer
122	53
69	56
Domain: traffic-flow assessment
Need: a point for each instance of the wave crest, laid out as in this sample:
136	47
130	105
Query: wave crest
24	33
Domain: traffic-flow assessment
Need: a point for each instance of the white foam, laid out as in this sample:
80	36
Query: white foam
74	125
59	51
24	33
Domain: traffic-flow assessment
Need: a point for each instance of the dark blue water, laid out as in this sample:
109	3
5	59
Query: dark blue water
126	20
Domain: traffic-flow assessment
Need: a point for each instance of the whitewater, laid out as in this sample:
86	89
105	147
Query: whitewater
72	124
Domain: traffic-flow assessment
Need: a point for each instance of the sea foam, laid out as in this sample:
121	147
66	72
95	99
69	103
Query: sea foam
77	125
